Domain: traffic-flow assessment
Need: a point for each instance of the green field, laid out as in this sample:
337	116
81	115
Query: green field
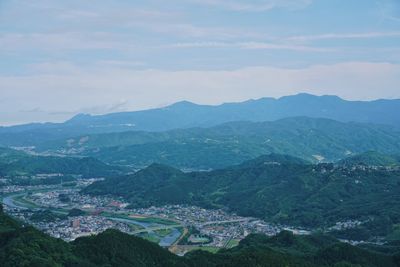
208	249
163	232
232	243
150	237
135	227
20	199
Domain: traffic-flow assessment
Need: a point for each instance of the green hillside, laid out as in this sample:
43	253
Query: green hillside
232	143
17	163
274	188
24	246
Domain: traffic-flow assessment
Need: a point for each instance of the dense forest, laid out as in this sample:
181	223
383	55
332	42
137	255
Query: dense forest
22	245
232	143
15	163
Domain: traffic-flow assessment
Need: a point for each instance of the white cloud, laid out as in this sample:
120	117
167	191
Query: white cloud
190	30
254	6
62	41
124	42
96	89
262	45
327	36
251	46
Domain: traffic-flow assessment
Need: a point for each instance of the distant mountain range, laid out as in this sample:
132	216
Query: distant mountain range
187	115
232	143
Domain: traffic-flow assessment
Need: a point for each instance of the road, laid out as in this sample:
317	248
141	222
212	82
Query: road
174	247
13	203
152	229
224	222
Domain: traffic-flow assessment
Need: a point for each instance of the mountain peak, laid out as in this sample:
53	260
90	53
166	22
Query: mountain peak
162	169
307	96
183	103
79	117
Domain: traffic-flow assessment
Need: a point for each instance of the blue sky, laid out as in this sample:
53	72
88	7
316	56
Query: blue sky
59	58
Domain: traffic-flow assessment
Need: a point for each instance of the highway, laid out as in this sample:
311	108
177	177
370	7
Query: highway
224	222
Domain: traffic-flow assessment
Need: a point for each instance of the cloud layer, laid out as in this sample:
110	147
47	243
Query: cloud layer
59	58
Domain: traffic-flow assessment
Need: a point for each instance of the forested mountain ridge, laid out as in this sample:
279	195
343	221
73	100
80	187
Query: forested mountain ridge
187	115
274	188
232	143
18	163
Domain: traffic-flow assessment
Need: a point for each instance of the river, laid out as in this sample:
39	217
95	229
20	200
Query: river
165	241
9	201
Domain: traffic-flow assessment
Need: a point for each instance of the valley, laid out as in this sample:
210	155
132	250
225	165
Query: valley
275	188
299	191
200	133
167	225
96	214
210	210
106	226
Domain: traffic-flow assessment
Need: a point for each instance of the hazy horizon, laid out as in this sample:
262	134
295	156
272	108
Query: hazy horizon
195	103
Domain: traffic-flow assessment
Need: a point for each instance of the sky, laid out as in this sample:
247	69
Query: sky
59	58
